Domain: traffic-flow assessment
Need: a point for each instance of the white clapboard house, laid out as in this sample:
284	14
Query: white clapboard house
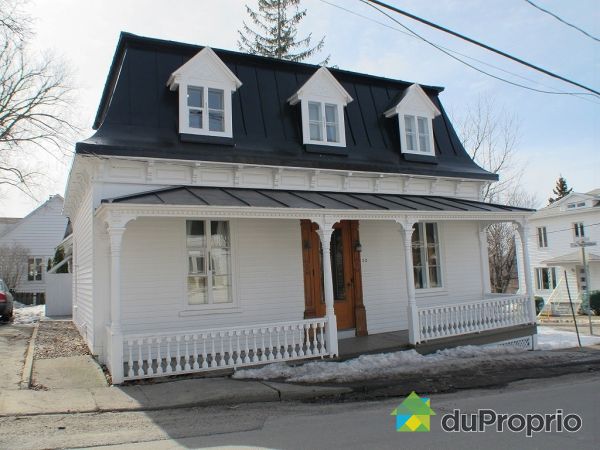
572	219
38	233
233	210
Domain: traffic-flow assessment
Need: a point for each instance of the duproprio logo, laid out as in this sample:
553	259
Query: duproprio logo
413	414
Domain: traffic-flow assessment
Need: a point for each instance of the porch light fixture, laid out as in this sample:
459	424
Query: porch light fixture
358	246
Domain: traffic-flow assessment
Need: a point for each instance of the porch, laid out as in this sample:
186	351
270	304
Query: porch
255	331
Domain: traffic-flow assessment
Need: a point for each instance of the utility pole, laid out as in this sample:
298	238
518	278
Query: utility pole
583	243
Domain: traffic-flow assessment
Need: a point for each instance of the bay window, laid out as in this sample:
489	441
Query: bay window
209	262
426	256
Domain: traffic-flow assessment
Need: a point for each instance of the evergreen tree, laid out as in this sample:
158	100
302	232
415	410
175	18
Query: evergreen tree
276	36
561	190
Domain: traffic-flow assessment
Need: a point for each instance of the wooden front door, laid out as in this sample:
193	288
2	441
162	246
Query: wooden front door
346	274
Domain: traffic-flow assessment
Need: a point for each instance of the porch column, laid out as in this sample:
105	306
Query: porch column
116	334
414	331
484	259
523	230
325	233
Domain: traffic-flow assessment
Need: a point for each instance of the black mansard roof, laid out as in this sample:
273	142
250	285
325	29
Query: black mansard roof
138	116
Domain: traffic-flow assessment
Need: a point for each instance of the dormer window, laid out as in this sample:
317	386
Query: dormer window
322	99
205	87
415	112
214	120
323	122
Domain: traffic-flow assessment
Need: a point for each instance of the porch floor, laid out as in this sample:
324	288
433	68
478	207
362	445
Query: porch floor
374	343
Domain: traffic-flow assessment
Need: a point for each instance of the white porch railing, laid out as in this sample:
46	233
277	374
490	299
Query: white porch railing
164	354
498	311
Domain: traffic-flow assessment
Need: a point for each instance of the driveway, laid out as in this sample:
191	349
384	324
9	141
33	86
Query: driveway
13	346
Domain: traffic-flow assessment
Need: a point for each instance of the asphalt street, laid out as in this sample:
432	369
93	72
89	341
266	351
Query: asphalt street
349	425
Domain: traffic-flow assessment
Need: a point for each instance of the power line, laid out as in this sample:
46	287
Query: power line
479	44
571	229
414	36
466	63
562	20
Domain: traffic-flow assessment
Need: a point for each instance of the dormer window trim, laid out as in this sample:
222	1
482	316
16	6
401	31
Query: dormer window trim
185	109
415	112
326	95
206	73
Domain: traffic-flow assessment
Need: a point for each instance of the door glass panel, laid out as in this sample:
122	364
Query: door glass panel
337	265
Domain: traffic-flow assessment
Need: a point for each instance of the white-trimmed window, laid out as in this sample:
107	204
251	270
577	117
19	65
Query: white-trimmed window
545	278
209	278
578	230
542	236
323	122
417	134
206	109
575	205
35	268
426	256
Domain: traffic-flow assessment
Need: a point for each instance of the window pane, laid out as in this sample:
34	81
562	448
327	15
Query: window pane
195	233
196	262
220	261
216	99
197	291
195	96
195	118
314	111
431	234
332	133
545	279
222	289
423	124
434	276
337	265
419	281
331	113
409	125
219	232
315	132
216	120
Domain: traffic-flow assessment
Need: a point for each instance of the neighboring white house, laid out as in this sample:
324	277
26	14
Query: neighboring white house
553	230
215	183
39	232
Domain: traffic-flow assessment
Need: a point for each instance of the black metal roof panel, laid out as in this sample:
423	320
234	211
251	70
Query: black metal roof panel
138	116
274	198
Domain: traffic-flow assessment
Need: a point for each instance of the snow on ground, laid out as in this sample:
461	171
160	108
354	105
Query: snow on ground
377	366
552	339
385	365
26	314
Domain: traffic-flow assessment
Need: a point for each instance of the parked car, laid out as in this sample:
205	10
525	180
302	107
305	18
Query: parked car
6	303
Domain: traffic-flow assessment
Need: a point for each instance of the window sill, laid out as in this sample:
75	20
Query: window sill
209	309
326	149
420	157
431	292
206	139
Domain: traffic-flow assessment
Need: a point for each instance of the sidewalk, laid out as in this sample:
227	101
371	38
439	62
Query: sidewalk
225	391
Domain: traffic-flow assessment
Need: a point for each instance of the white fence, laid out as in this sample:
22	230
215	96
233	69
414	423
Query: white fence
59	294
155	355
453	320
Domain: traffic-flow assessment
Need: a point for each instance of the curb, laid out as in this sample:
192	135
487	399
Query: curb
28	367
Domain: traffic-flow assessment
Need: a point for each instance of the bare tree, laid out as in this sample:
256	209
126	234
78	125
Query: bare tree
491	134
13	264
35	96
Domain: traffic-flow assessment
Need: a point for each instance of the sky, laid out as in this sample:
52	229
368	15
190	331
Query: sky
558	134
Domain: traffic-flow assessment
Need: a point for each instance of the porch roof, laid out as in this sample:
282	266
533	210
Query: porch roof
319	200
571	258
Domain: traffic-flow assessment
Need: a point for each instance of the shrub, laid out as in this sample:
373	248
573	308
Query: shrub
539	303
595	302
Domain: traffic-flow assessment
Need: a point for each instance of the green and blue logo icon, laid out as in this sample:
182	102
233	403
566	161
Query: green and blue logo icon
413	414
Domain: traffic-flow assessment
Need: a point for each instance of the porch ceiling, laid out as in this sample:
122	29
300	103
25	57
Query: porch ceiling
312	200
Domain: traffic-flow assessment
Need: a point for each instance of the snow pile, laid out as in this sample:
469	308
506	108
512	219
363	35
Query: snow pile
552	339
377	366
25	314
